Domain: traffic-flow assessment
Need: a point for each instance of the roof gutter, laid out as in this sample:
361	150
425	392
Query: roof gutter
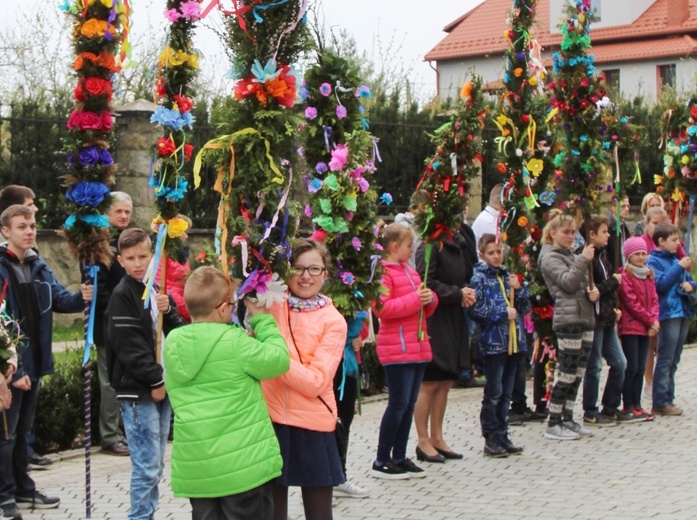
430	64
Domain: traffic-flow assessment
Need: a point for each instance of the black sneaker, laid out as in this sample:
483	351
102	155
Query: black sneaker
37	500
535	416
598	419
36	461
411	468
389	470
10	512
516	419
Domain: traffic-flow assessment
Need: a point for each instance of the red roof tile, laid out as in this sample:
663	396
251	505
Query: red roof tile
645	50
480	32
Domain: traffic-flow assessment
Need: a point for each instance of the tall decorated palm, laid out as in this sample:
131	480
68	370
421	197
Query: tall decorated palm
99	28
254	157
444	187
340	154
678	184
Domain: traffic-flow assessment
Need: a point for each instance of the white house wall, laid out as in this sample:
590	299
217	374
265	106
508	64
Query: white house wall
635	77
612	12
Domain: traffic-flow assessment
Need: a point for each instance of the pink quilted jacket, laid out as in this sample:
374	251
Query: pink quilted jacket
292	398
638	303
398	340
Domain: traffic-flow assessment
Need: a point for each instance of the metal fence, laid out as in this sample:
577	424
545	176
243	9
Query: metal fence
31	154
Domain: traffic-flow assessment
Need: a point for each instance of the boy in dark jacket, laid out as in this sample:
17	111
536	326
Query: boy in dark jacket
136	372
33	294
501	337
606	343
673	285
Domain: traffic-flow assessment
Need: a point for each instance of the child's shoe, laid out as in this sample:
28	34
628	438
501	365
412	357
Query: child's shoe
641	415
350	490
576	428
389	470
597	419
560	432
492	448
504	441
412	469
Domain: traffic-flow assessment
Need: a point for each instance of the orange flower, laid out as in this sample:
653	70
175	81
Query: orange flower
501	167
80	59
466	91
93	28
518	72
504	237
523	221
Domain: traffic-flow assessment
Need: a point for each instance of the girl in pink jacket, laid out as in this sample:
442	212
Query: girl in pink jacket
400	350
639	320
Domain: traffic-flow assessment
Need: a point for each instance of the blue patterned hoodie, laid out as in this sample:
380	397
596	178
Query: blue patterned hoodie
491	310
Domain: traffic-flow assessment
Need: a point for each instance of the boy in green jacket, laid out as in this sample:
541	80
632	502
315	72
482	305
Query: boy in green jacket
225	451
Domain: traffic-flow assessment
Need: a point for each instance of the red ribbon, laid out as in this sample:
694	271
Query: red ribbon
440	229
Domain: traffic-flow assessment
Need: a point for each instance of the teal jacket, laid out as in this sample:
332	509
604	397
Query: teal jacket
224	442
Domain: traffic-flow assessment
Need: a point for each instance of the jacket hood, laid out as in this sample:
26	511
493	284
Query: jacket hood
30	255
481	267
190	346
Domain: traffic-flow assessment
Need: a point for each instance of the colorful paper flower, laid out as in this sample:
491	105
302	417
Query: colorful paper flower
339	157
87	193
348	278
341	111
386	199
325	89
311	113
356	243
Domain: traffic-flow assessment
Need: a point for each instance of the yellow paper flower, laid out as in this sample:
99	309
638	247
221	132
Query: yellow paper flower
107	3
535	166
172	58
155	224
678	196
658	180
532	81
685	159
176	227
193	60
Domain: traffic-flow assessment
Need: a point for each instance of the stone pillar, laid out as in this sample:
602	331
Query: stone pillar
135	137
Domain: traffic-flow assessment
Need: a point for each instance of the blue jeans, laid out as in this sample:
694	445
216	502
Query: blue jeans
671	339
14	467
636	349
403	384
147	427
500	370
605	344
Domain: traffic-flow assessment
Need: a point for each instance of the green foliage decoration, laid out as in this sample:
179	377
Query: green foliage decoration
338	150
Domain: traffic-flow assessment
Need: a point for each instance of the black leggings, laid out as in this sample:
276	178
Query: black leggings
317	503
347	405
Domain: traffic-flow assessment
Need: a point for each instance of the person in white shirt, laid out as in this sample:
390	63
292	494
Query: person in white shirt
487	220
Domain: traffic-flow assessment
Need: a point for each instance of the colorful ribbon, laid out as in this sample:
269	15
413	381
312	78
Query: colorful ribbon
91	272
154	265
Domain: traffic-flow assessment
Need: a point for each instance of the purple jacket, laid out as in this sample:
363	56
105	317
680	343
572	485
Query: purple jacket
398	341
638	303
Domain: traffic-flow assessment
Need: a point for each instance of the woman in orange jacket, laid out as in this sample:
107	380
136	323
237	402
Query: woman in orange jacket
301	402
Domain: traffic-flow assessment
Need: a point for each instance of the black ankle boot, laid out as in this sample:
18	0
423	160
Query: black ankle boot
492	447
506	444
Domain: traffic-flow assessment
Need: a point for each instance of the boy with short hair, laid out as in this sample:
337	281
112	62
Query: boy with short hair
673	284
501	337
33	294
136	372
225	451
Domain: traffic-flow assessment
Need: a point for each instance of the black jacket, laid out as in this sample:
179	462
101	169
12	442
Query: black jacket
449	271
130	341
608	286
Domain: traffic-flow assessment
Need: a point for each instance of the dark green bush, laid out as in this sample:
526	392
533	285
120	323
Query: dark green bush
59	420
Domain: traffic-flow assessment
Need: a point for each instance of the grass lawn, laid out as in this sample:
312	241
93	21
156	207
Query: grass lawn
72	333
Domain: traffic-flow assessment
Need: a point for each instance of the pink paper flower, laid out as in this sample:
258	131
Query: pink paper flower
308	211
341	111
191	10
339	158
172	15
310	113
356	243
325	89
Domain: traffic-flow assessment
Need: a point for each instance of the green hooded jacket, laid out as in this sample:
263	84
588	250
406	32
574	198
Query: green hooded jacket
224	442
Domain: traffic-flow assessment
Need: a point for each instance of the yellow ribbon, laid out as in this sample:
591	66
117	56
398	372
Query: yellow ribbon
512	333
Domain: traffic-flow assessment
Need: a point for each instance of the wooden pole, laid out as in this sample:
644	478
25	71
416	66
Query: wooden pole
87	387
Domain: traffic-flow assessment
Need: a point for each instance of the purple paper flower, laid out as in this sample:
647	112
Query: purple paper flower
363	184
325	89
356	243
349	215
321	167
314	186
87	193
341	111
378	247
105	157
301	151
89	156
386	199
303	93
308	211
310	113
348	278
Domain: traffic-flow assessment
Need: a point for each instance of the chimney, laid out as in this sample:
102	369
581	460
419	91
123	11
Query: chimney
678	12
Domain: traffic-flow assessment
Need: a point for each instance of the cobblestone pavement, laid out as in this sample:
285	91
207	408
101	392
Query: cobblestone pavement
639	470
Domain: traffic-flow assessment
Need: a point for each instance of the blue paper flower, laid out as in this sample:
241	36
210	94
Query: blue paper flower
363	91
87	193
266	73
386	199
314	185
547	197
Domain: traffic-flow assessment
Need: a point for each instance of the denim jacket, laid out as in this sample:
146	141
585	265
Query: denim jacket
491	310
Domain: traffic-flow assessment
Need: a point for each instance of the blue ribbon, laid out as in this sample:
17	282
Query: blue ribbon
257	7
91	271
159	246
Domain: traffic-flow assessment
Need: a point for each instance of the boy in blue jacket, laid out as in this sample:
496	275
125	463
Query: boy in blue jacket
501	337
33	294
673	285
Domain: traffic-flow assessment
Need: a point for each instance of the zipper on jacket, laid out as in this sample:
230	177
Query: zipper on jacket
406	271
401	338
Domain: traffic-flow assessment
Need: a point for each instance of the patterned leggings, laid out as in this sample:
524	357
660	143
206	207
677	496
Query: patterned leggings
574	346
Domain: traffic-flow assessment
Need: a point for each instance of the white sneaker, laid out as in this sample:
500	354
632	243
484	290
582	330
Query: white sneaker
577	428
350	490
559	432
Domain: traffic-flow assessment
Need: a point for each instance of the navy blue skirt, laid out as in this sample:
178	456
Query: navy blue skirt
310	458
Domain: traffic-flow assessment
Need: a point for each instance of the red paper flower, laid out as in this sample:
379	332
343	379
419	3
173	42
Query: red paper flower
184	103
188	149
165	146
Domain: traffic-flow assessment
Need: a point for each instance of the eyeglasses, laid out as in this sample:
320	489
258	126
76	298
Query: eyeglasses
223	303
314	270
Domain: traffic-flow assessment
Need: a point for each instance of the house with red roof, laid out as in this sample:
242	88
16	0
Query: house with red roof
639	45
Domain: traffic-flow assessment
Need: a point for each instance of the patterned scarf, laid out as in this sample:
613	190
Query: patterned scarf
296	304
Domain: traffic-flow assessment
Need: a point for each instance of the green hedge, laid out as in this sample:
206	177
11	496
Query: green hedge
59	421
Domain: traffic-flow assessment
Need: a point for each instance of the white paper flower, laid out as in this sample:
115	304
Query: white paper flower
276	291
